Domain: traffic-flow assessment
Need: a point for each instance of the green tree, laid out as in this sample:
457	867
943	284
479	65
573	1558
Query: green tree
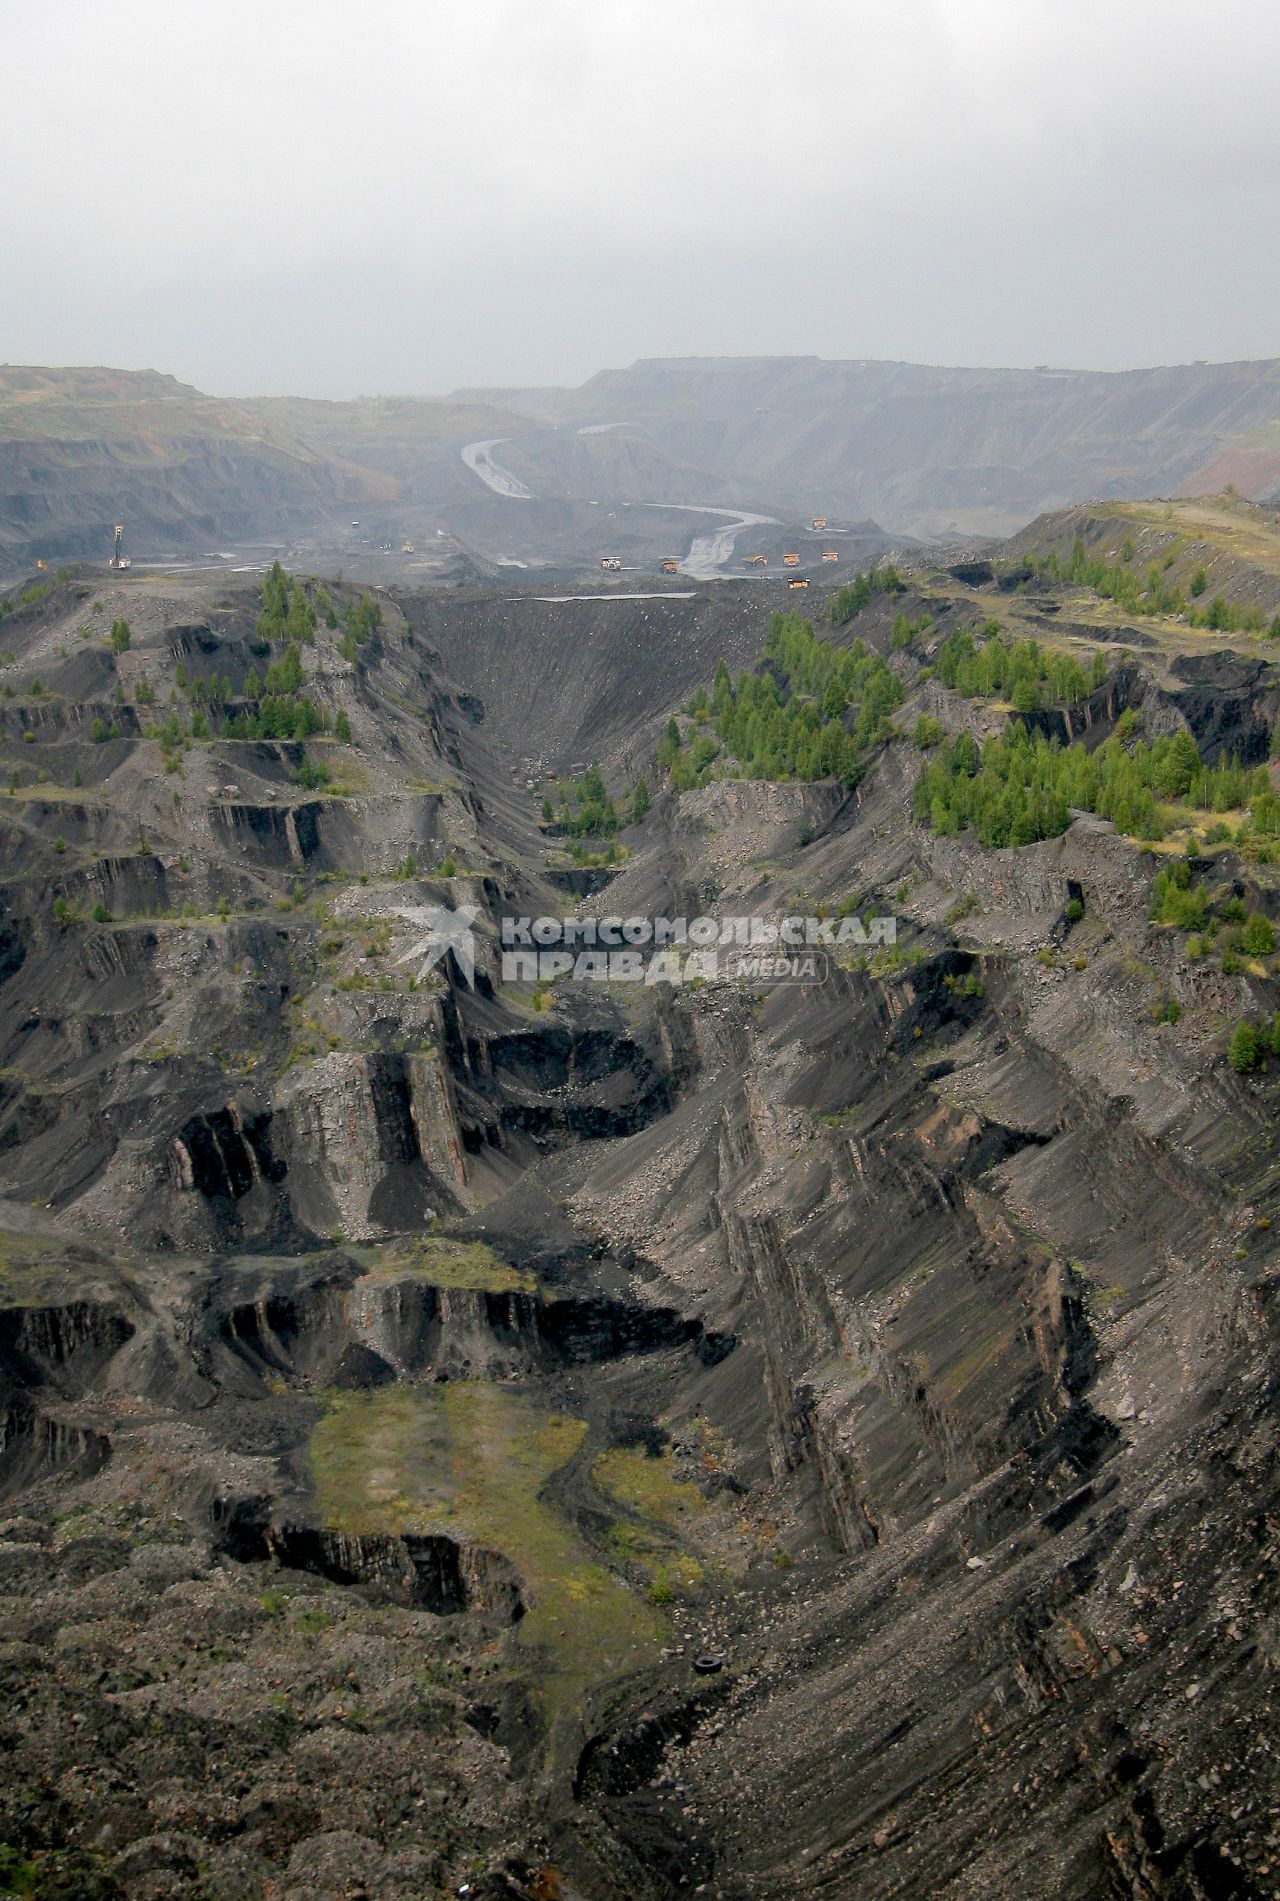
275	603
851	599
364	617
1257	939
669	745
300	621
120	636
1244	1052
286	675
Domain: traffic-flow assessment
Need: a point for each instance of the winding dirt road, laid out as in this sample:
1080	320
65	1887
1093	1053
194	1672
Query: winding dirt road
708	554
480	461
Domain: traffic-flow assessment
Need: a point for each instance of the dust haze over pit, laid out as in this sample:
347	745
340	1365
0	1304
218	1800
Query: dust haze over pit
331	200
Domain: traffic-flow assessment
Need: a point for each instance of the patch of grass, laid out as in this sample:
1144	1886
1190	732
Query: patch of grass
18	1876
35	1266
667	1509
962	908
447	1263
473	1460
677	1579
311	1623
647	1485
46	791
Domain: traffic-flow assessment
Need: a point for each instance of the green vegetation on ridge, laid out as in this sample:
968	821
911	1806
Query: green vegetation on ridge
1150	592
855	595
811	711
445	1262
586	809
1021	787
286	614
1021	671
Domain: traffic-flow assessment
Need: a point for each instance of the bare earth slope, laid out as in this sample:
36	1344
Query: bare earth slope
82	449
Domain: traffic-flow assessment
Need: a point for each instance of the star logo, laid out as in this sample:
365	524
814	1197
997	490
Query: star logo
442	931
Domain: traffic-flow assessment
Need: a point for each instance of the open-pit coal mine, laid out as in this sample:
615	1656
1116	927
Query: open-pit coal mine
481	1422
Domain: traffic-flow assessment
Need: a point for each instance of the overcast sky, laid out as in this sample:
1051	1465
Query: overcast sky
409	195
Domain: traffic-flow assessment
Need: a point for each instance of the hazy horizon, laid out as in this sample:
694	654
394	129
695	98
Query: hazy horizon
402	199
487	389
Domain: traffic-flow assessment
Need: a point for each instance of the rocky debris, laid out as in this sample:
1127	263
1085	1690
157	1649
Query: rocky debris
187	1736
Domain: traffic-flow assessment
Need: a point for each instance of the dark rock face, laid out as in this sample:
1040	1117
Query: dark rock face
1229	703
35	1446
437	1574
227	1155
973	573
323	1331
432	1573
65	1346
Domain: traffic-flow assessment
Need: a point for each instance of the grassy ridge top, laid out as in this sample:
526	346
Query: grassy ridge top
1202	546
91	404
74	405
90	383
382	416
